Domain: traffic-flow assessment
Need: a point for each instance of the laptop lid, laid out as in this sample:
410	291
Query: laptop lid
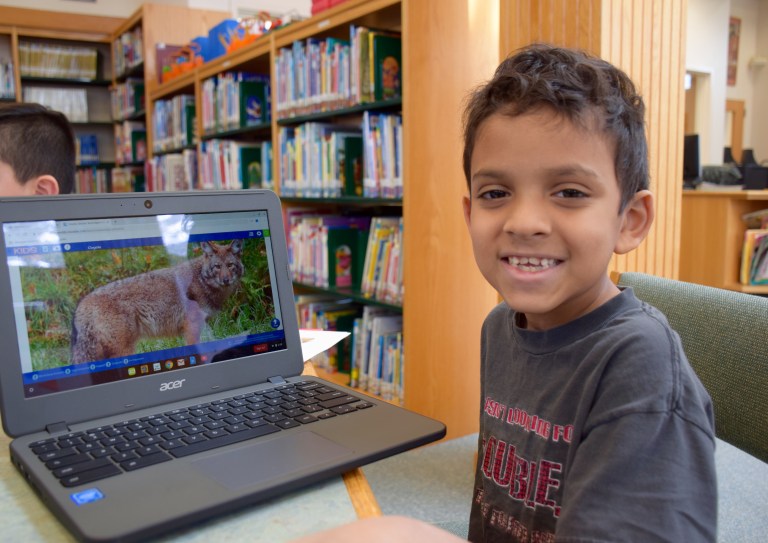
78	271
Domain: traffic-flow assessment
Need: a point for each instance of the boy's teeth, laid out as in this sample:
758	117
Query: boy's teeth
531	263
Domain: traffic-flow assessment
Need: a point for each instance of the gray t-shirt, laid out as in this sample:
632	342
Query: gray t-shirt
597	430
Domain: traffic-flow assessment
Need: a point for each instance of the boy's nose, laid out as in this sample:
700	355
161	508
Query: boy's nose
527	219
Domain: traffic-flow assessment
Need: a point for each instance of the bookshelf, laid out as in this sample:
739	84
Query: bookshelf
133	45
328	114
712	236
8	66
62	60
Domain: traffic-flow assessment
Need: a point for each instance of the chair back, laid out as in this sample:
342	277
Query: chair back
725	337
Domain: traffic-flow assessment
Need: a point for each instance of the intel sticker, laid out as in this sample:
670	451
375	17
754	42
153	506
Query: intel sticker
87	496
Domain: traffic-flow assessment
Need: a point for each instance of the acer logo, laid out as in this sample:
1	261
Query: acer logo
170	385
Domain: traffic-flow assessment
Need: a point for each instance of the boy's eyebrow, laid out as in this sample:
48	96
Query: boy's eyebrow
554	171
494	174
571	169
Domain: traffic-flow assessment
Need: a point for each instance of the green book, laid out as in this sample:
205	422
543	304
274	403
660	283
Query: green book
138	145
189	119
254	103
345	323
250	166
352	168
386	65
138	97
346	256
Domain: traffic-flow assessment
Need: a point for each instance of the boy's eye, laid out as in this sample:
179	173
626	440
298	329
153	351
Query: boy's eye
492	194
571	193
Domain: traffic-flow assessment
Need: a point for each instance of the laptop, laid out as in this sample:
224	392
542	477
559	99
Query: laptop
153	363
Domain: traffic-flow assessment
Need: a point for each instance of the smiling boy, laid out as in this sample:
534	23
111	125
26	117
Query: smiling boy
594	427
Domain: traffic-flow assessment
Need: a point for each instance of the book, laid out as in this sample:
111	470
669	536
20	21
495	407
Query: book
380	368
754	257
321	312
384	234
313	159
254	102
382	155
344	247
385	51
327	250
756	219
352	166
359	375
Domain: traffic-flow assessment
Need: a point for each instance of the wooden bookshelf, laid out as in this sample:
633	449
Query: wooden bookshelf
713	234
60	29
169	24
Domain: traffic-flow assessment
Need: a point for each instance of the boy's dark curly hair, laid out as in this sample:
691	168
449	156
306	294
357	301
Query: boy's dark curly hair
577	86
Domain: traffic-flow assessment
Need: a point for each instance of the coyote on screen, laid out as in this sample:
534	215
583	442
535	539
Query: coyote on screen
168	302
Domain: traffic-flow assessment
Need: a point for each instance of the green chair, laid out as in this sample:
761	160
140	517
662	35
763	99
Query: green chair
725	336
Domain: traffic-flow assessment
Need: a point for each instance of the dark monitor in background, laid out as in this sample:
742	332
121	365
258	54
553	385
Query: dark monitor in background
755	177
748	157
691	164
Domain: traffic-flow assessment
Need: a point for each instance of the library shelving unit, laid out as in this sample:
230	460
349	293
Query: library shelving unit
257	60
133	46
62	60
8	66
712	236
445	387
336	24
128	105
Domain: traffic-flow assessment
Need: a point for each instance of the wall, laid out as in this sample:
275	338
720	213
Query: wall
760	108
707	55
125	8
750	78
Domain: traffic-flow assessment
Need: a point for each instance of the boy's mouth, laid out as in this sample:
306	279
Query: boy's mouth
531	263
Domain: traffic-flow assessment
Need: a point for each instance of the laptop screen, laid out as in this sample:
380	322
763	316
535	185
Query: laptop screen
103	300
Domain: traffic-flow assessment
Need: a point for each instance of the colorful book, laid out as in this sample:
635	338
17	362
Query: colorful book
385	51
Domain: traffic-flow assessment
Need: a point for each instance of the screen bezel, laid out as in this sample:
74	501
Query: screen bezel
25	415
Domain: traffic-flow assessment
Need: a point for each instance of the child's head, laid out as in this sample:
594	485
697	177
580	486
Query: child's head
577	87
37	151
556	162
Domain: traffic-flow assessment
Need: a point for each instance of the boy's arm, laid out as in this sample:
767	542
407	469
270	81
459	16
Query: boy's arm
383	530
642	477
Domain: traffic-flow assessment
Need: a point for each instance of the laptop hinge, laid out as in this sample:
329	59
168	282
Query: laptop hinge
57	427
277	380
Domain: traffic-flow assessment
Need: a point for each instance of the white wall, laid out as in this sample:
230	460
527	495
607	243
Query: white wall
707	54
759	110
744	90
125	8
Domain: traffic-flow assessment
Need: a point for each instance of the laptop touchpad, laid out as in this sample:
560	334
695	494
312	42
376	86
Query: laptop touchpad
271	459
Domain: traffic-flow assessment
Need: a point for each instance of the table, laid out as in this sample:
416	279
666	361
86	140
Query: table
23	517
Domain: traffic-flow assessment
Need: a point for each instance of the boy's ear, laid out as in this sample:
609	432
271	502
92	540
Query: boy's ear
636	221
467	205
44	185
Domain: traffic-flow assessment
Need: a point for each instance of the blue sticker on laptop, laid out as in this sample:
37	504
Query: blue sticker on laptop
87	496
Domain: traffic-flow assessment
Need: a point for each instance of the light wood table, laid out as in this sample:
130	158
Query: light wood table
24	517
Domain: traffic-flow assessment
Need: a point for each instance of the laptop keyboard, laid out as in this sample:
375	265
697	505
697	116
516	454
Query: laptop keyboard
82	457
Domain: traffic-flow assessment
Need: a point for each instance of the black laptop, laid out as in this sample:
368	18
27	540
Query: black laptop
152	371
